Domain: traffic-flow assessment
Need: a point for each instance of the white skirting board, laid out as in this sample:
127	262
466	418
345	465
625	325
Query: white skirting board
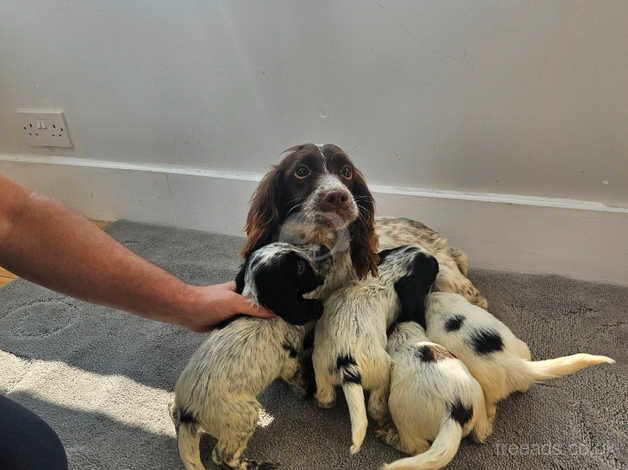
580	239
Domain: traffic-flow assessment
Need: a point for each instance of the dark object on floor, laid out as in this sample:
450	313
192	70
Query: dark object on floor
27	442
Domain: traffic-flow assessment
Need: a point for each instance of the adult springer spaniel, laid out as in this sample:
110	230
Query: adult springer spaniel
316	195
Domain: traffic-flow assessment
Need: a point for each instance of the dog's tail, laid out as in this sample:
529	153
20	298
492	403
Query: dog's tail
188	438
537	371
354	395
441	452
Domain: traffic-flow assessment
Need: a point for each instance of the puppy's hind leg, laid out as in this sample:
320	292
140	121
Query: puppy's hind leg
325	390
389	435
378	399
235	437
483	426
378	405
522	350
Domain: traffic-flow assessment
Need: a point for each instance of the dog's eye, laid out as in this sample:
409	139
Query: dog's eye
300	267
346	172
302	172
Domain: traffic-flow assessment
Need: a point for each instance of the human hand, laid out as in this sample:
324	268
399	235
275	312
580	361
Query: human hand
212	305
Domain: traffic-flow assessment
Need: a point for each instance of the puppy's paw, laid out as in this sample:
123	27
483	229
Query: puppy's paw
388	434
299	389
326	404
381	433
253	465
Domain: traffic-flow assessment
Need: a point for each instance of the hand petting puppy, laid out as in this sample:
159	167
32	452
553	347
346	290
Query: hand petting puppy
217	390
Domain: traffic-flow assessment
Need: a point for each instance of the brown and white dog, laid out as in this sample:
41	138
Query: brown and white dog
315	195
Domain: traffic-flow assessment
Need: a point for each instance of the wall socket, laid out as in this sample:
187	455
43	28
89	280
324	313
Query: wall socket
44	128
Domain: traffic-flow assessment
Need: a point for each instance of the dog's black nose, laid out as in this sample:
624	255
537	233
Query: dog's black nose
336	198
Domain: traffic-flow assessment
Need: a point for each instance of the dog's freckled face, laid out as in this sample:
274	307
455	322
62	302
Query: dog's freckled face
316	181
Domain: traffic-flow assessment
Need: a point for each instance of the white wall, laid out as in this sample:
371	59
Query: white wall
520	98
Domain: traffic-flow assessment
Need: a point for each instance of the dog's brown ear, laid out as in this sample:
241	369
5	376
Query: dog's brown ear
262	222
362	231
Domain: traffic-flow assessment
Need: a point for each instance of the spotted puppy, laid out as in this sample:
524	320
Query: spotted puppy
433	399
350	338
495	356
217	390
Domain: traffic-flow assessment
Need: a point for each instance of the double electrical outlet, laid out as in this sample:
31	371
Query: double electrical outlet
44	128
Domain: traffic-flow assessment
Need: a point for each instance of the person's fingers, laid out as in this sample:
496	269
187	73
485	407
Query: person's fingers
201	328
248	307
230	285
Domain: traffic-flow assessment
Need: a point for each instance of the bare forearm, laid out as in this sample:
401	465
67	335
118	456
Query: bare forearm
57	248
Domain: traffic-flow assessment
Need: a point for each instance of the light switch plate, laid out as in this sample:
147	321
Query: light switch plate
44	127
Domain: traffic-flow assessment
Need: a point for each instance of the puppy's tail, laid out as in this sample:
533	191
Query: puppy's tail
441	452
561	366
188	438
354	395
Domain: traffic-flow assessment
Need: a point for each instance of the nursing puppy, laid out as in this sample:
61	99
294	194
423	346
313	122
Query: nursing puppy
495	356
433	398
217	390
453	263
350	338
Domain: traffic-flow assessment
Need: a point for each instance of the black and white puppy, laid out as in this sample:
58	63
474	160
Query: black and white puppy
433	399
217	390
350	338
495	356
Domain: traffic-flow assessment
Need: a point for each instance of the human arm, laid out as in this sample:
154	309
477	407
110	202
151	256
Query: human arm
46	243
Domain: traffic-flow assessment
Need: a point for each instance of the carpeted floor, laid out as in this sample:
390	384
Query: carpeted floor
102	378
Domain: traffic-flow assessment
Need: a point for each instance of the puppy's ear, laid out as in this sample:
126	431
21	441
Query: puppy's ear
413	288
383	254
262	222
362	230
306	279
239	280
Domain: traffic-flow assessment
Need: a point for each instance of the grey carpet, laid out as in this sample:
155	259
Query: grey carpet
102	378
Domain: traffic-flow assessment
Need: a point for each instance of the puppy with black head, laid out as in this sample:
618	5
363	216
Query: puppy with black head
433	398
216	392
495	356
350	338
